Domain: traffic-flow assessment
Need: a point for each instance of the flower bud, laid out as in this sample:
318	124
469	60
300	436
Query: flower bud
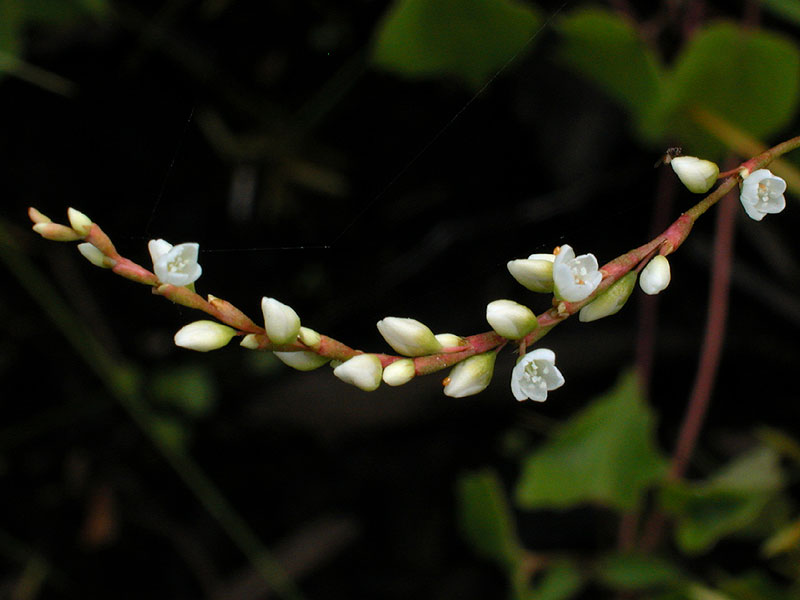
534	272
363	371
79	222
280	321
204	336
310	338
250	341
655	276
94	256
302	360
399	372
609	302
510	319
408	336
697	174
37	217
56	232
470	376
450	340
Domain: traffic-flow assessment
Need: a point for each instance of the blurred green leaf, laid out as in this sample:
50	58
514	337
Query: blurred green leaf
190	389
486	520
605	454
636	572
562	580
749	77
605	48
467	39
754	585
726	503
171	432
12	16
788	9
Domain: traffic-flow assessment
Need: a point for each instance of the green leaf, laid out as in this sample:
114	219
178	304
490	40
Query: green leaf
750	78
190	389
727	503
486	520
605	454
468	39
636	572
754	585
562	580
605	48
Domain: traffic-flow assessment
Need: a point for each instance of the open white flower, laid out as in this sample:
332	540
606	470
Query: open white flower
536	374
575	278
762	193
175	265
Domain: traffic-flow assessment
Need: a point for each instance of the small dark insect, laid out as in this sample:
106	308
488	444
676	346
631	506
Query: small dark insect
668	156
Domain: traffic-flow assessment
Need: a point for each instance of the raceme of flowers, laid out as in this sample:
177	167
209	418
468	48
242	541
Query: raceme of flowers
568	277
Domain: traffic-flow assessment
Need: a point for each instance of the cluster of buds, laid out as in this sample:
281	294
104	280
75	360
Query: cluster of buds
577	284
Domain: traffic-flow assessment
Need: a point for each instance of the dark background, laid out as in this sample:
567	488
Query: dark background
260	131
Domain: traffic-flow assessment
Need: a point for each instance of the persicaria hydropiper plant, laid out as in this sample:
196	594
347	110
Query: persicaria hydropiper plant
578	285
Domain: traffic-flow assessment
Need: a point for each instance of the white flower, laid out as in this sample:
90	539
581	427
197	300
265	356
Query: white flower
408	336
609	302
363	371
175	265
203	336
470	376
655	276
697	174
536	374
510	319
302	360
399	372
534	272
762	193
280	321
575	278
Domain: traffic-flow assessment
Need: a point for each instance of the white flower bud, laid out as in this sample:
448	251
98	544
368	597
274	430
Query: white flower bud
79	222
94	256
38	217
611	301
534	272
399	372
310	337
280	321
510	319
56	232
363	371
203	336
697	174
408	336
655	276
249	341
450	340
470	376
302	360
175	265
